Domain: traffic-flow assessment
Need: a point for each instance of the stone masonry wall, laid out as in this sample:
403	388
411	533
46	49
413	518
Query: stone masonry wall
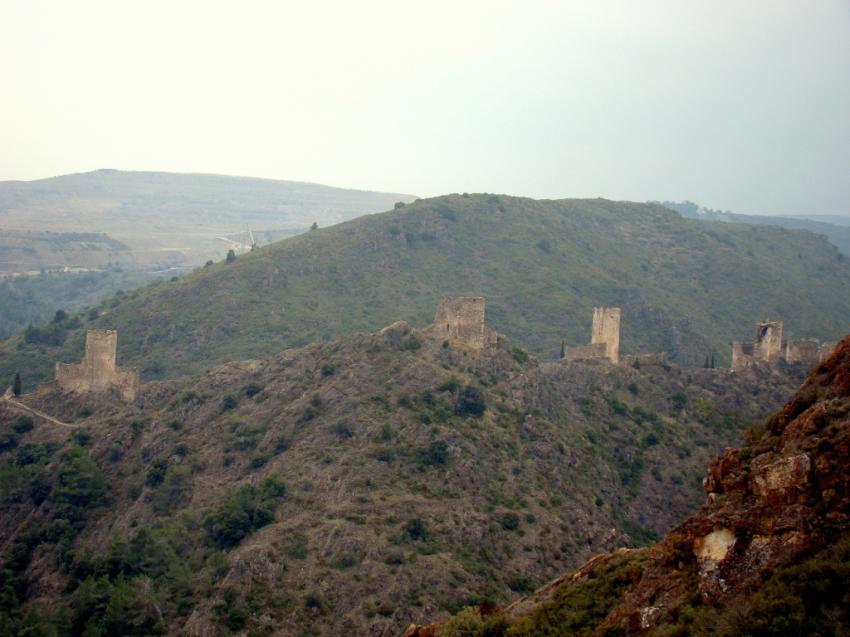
97	371
806	352
462	319
585	352
606	329
768	343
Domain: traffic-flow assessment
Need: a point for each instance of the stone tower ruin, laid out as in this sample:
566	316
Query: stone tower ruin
769	348
768	344
461	319
606	329
604	339
98	371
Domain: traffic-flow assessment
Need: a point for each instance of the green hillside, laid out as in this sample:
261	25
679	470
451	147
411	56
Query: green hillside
346	488
686	287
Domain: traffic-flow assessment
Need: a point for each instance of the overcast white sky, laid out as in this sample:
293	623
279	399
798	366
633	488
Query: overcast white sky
741	105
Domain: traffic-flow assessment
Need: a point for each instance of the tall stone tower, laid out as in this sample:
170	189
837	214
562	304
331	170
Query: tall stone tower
461	318
606	329
768	344
99	361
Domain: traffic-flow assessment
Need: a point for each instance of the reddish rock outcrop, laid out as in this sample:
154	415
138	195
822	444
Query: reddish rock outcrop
771	504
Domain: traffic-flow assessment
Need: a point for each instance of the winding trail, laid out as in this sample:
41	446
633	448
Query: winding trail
9	400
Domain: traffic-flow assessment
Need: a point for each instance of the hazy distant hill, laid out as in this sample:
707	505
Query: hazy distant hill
156	212
835	227
686	287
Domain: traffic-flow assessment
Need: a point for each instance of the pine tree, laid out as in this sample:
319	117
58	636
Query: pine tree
16	387
563	348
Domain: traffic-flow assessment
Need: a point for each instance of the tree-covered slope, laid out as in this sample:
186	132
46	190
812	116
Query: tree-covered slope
346	488
685	287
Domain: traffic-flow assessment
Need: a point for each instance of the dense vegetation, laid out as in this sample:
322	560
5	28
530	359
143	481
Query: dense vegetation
33	300
685	287
347	488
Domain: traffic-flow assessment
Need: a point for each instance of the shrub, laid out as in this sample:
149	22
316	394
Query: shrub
435	454
252	389
450	384
328	370
471	402
416	529
82	437
231	256
679	400
52	335
519	354
8	441
174	490
79	485
229	402
509	521
22	425
245	510
471	623
156	473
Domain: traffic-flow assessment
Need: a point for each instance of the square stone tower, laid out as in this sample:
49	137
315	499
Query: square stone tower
99	362
98	371
461	318
606	329
768	343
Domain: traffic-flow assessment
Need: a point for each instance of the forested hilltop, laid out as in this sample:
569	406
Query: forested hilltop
685	287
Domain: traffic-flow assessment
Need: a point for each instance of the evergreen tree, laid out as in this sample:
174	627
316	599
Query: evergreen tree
16	387
563	348
231	256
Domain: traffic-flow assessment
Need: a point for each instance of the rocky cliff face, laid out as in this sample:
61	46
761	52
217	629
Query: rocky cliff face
778	504
769	505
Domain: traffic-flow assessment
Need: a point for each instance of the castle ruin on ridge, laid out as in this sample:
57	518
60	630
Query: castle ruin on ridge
461	319
97	371
604	340
769	348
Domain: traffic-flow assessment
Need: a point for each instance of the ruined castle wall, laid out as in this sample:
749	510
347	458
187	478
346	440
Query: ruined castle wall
97	371
71	376
127	382
462	319
585	352
768	343
806	352
606	329
742	355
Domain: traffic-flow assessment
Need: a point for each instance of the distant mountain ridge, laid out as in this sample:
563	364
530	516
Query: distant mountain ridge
183	212
835	227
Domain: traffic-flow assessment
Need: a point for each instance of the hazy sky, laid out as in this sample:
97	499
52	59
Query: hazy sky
736	104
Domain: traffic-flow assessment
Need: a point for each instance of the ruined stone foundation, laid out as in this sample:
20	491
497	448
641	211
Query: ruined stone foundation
97	371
